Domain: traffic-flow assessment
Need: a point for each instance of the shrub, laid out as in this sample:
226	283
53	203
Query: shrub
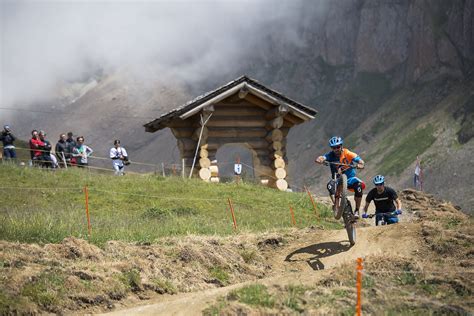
255	295
46	290
220	274
131	279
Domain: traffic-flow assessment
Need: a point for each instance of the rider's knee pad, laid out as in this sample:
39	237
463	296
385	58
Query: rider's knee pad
358	190
331	186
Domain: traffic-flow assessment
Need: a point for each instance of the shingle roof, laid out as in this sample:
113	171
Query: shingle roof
156	124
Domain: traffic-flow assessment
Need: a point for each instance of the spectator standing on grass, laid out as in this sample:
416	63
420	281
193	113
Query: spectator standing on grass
119	158
49	161
61	150
7	139
81	152
36	146
71	144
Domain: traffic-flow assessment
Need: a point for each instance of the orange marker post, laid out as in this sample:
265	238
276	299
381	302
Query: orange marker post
292	216
86	192
233	215
312	201
359	287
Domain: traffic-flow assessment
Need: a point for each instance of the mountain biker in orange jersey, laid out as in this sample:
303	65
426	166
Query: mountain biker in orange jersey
347	157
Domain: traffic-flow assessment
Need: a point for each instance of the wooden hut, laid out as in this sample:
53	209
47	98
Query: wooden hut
243	112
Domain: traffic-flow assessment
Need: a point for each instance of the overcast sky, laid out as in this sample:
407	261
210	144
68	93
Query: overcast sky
44	43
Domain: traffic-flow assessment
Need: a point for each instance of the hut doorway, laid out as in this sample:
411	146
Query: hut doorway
227	156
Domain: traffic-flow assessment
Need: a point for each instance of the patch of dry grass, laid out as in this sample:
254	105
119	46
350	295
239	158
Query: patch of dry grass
75	275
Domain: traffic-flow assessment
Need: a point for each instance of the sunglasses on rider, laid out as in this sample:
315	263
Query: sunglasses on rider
336	147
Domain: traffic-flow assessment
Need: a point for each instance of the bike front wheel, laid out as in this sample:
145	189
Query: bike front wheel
342	187
349	224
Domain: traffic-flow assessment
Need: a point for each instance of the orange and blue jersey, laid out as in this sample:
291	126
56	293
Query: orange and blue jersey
346	157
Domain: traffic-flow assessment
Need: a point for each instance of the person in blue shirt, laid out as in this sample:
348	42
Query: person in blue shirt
338	154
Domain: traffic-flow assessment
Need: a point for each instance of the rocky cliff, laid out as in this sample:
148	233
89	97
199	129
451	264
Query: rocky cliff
379	72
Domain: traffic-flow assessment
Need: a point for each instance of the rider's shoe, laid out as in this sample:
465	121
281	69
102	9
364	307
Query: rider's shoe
356	214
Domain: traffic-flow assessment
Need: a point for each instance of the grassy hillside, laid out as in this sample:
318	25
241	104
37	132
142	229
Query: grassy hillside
45	207
432	120
425	121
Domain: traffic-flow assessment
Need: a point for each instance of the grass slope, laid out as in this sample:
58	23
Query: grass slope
412	122
45	207
403	154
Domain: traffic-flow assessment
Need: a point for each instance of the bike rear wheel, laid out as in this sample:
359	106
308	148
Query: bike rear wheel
343	196
349	223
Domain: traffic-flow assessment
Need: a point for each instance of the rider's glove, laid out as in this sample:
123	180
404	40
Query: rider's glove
365	216
357	165
398	212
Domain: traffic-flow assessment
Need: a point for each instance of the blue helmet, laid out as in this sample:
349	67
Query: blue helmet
335	141
379	179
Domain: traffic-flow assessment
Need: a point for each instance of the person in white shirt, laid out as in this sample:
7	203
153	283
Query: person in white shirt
417	176
119	156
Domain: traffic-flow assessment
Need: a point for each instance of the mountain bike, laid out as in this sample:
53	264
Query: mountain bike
341	205
382	220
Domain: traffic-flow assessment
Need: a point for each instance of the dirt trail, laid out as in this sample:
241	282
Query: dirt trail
301	262
429	255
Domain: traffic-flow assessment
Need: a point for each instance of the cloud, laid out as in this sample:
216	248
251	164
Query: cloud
49	42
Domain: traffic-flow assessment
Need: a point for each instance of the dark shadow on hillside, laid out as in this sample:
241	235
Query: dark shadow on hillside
318	251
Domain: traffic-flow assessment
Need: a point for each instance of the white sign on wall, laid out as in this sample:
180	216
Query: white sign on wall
237	168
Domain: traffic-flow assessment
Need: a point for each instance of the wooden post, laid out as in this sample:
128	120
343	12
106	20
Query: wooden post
233	215
359	287
163	169
89	228
182	171
292	216
312	201
64	160
203	125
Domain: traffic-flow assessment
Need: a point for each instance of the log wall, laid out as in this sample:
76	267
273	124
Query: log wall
240	119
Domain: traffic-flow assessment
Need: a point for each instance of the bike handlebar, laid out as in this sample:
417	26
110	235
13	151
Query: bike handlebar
396	212
327	163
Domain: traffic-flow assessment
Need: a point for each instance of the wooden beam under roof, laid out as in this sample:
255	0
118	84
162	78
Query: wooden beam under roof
225	121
